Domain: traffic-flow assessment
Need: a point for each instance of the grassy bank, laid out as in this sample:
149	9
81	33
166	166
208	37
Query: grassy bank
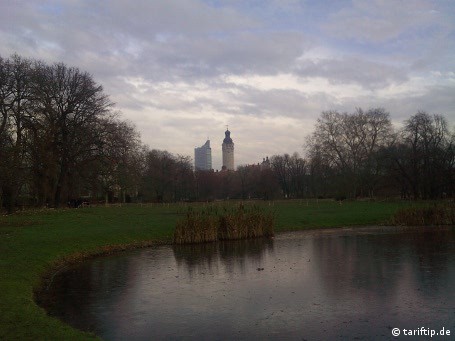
31	243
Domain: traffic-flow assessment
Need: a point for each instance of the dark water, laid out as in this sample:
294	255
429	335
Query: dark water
323	285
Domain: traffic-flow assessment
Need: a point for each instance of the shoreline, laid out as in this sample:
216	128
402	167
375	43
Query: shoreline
61	264
36	245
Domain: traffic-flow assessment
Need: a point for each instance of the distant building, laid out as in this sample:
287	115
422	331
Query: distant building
265	163
203	157
228	151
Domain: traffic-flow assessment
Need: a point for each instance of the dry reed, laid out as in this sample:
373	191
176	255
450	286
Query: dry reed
212	224
438	214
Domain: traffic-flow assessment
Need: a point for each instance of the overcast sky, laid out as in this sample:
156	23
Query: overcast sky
181	70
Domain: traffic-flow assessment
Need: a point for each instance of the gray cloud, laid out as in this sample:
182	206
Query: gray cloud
281	103
157	39
169	64
368	74
435	99
380	21
239	53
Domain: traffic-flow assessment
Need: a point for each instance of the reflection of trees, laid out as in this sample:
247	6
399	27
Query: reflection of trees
377	262
196	257
232	254
432	252
344	263
74	292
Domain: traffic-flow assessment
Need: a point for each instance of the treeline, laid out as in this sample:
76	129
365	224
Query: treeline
361	154
61	139
59	135
348	155
62	142
351	155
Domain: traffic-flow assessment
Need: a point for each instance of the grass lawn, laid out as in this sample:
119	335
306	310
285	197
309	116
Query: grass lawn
33	242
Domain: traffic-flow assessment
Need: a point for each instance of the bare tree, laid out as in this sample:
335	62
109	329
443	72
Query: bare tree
15	107
206	184
280	167
348	144
59	136
70	103
424	155
5	95
298	176
167	177
118	158
244	173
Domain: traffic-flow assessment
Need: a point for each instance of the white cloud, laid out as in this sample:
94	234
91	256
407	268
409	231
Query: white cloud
182	69
352	70
380	21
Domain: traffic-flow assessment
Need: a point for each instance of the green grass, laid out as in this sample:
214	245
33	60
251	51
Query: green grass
303	214
32	243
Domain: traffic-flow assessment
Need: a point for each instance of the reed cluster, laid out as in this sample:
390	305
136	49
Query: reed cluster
438	214
213	223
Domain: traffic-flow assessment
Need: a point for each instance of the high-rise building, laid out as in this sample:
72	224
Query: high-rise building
228	151
203	157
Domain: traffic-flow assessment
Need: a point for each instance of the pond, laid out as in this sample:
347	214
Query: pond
326	284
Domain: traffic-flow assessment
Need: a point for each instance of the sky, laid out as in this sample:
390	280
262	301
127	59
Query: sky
182	70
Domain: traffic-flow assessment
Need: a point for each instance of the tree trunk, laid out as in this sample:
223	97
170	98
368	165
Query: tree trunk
8	199
60	182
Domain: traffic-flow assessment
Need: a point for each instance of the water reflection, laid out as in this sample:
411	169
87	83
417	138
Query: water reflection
377	260
315	285
230	256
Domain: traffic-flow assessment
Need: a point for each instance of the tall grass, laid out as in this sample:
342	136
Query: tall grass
196	227
437	214
211	223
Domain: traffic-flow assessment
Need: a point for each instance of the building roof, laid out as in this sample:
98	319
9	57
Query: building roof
227	138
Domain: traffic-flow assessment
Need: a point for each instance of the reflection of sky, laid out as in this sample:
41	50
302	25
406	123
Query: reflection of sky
315	284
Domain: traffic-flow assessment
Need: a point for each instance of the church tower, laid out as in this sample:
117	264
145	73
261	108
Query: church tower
228	151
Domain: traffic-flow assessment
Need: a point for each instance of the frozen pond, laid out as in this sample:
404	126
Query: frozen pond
324	285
